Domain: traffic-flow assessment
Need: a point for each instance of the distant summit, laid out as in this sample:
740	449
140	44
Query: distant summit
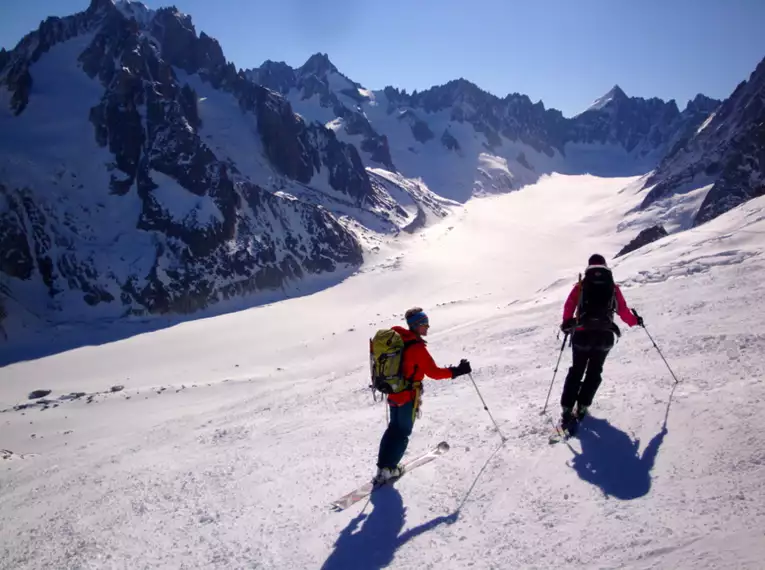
614	96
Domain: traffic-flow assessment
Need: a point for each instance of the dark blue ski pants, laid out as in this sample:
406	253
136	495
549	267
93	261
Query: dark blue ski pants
396	437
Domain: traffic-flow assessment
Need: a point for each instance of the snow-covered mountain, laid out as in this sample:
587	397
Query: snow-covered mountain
318	91
463	141
643	129
725	153
140	172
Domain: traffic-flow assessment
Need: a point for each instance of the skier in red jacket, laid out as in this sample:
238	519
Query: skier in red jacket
417	363
588	315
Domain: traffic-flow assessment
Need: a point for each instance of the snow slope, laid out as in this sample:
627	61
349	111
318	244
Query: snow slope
232	434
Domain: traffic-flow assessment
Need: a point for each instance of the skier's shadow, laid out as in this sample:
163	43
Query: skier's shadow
610	459
374	544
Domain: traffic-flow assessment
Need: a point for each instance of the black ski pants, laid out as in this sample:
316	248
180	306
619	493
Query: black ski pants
590	349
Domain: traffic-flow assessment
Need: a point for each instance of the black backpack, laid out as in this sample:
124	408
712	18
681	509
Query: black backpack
597	299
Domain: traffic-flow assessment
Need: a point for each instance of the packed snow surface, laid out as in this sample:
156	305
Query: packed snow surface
232	434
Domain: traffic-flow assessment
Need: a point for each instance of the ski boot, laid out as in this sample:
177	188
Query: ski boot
581	412
385	474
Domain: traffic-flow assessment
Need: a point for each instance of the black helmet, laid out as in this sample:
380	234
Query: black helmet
596	259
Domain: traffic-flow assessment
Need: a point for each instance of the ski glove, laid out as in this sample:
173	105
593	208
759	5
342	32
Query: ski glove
568	325
639	318
461	369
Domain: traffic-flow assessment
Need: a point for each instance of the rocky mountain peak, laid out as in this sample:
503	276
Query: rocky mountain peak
276	75
617	93
318	64
137	11
612	98
97	6
702	103
455	92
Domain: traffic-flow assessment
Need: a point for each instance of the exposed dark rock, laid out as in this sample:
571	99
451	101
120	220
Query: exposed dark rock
345	168
72	396
188	100
177	37
277	76
35	394
318	64
493	139
448	140
420	129
14	73
3	314
15	256
379	151
311	79
646	236
523	161
280	130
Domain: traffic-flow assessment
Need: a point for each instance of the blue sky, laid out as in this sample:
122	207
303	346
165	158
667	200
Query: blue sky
564	52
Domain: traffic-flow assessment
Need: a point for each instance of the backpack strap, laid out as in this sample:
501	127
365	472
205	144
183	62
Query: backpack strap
407	344
416	401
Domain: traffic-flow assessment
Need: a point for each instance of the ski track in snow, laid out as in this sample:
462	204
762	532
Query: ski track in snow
234	433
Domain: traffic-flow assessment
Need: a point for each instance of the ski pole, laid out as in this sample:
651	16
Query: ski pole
485	407
634	312
562	348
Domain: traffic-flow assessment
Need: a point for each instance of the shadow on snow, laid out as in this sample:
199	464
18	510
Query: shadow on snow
610	459
51	338
373	544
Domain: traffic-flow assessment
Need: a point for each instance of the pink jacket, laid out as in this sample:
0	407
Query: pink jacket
569	308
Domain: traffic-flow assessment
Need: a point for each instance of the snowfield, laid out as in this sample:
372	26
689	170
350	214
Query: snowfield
231	434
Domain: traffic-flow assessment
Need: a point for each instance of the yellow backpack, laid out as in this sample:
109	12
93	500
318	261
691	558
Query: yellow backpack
386	359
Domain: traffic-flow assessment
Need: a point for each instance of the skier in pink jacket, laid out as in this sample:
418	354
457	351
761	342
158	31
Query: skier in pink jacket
588	315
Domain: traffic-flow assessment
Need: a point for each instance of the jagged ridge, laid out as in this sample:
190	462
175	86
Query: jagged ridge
233	237
727	151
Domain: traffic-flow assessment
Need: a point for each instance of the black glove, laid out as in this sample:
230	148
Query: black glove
462	368
568	325
639	318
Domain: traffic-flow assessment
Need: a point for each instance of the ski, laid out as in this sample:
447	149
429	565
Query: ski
368	488
560	434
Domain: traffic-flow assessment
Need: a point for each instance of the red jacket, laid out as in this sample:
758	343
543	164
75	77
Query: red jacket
417	364
569	308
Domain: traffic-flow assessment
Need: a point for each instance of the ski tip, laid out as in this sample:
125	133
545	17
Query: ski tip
443	446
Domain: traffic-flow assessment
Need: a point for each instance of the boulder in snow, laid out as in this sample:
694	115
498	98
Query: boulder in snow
645	237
